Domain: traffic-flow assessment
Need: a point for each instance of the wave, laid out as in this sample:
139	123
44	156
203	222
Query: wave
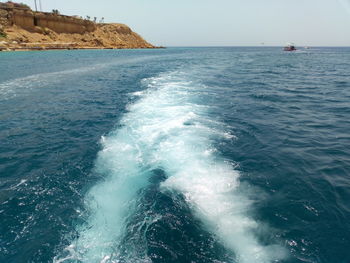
14	87
167	128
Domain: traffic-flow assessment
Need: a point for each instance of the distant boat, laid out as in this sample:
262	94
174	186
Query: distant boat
290	47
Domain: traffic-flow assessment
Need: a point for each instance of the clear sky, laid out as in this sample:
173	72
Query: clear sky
222	22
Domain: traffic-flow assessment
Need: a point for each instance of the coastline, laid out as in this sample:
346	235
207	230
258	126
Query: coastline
41	48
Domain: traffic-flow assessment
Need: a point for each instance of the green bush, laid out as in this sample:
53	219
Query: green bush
2	34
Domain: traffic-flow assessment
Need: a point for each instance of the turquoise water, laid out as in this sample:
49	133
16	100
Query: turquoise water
177	155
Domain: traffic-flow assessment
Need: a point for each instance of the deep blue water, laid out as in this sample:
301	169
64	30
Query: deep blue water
175	155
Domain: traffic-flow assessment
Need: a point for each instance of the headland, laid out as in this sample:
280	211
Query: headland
21	28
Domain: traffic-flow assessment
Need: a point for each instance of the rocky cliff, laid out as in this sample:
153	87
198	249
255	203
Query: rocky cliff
23	29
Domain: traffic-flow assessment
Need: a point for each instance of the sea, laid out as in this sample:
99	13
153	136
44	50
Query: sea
177	155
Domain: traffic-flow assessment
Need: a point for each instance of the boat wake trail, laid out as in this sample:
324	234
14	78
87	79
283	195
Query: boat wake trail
168	128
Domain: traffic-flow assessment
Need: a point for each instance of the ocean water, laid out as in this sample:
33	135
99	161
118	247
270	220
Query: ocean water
198	155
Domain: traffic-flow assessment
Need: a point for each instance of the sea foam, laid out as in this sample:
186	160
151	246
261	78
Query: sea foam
168	127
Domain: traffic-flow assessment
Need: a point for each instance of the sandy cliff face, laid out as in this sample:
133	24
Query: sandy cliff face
25	29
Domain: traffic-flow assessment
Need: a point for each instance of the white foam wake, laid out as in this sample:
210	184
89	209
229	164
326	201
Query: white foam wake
169	128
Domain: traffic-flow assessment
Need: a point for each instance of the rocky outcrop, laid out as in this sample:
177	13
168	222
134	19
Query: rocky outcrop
24	29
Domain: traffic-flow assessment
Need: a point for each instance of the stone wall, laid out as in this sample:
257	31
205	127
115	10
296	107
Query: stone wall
22	19
63	24
28	20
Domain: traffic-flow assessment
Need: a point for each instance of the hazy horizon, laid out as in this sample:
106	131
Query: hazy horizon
226	23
